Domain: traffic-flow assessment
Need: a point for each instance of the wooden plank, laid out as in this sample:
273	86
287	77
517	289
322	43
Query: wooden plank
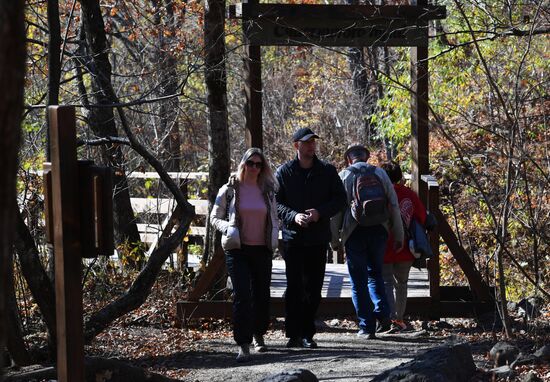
336	25
174	175
68	267
419	115
170	222
338	11
433	263
293	31
48	211
152	175
165	205
479	287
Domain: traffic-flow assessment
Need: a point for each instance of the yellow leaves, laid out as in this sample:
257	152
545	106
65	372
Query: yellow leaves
114	11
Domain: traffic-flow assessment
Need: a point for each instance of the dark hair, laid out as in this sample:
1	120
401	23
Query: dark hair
393	170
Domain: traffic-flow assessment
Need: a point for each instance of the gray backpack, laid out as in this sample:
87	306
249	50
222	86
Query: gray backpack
369	204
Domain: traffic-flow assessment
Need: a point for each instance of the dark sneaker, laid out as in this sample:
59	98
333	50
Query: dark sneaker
383	325
244	354
294	342
309	343
259	343
366	335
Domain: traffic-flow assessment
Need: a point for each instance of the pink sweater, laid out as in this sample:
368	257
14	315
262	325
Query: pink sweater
253	213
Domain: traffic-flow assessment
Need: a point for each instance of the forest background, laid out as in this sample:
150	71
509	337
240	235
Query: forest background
158	86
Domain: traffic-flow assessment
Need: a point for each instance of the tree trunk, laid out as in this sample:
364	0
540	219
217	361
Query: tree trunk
12	76
219	160
38	281
102	119
362	85
168	114
16	344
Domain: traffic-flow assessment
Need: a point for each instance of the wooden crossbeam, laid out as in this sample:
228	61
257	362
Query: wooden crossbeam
424	307
335	25
336	11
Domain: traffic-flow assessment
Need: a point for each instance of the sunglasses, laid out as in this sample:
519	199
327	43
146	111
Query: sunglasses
251	163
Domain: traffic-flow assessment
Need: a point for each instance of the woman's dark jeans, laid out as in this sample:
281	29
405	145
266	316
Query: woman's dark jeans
250	270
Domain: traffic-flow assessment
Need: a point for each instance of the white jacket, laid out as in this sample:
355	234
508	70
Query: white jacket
226	220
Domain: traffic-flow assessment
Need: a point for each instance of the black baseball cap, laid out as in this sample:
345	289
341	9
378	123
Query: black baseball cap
303	134
356	150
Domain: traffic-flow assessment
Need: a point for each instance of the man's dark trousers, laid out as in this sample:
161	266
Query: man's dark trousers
305	272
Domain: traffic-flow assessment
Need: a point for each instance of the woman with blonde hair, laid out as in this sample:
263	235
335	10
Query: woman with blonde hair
245	212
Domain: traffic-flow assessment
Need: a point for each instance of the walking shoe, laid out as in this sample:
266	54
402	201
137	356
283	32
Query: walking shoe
364	334
244	353
294	342
397	326
309	343
258	343
384	325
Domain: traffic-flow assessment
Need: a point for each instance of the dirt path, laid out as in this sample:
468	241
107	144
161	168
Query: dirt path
341	356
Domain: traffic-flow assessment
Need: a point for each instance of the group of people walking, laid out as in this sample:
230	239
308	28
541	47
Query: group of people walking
362	208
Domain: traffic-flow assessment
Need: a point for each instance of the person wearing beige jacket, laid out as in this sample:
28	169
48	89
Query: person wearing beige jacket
245	212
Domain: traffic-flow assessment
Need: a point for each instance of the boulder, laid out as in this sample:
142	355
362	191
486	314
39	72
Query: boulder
531	377
448	363
543	354
502	371
292	375
503	353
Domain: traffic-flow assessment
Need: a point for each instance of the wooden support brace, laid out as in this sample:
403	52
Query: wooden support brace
208	278
479	287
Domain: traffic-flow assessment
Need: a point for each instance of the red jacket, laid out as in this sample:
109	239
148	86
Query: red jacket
410	206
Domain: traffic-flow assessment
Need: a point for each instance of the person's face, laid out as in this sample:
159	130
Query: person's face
306	149
253	165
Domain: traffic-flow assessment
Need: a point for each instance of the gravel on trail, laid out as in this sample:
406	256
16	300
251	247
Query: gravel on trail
341	356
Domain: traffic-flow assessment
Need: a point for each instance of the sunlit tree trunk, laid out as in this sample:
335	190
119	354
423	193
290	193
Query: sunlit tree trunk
102	119
216	88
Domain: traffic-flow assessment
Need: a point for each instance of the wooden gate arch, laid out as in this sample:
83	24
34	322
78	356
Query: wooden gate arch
358	26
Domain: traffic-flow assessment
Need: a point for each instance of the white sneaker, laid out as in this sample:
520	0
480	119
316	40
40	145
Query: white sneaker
244	353
259	343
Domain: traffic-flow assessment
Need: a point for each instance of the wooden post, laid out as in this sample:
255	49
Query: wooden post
253	92
419	112
67	249
433	263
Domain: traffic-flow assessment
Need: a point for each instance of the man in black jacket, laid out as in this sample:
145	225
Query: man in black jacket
310	193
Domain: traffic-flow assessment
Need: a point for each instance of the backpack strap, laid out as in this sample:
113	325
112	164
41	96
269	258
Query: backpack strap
228	197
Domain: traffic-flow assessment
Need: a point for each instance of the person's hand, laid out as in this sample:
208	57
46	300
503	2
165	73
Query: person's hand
302	219
313	215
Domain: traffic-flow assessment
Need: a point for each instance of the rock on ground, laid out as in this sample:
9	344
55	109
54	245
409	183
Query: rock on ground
449	363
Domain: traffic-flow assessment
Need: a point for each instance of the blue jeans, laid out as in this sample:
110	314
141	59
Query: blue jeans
250	272
365	257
